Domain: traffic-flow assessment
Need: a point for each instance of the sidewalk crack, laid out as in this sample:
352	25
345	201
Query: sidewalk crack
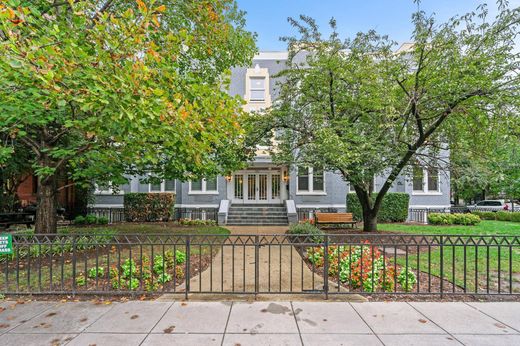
227	321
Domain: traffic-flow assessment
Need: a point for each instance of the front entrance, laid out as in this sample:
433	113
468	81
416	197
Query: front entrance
261	187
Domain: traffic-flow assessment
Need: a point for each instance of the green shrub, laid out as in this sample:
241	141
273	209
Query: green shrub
439	219
407	279
394	207
515	217
95	272
485	215
196	222
453	219
91	219
80	280
180	257
499	215
102	220
503	215
79	220
306	228
141	207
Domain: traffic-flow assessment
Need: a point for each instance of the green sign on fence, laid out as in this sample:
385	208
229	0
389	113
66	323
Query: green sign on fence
6	244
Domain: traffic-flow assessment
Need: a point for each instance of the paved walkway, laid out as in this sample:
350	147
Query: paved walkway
280	269
259	323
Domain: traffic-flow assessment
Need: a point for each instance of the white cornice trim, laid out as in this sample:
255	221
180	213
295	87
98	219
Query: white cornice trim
271	56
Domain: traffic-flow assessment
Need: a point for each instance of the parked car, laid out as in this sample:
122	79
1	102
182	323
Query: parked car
491	205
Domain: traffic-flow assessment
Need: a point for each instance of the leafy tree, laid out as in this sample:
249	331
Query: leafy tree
108	87
487	166
13	172
359	107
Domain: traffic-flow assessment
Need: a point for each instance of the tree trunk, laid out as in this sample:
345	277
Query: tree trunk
46	218
369	211
369	221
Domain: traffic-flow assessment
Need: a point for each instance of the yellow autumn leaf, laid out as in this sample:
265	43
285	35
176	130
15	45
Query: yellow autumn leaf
141	5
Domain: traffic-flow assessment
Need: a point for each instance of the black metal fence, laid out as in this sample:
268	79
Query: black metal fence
262	264
196	214
112	214
117	214
421	214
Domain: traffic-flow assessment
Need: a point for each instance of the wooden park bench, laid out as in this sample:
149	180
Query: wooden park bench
334	219
9	219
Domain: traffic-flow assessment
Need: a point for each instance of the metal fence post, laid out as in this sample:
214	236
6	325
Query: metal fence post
73	265
442	265
326	267
257	244
188	260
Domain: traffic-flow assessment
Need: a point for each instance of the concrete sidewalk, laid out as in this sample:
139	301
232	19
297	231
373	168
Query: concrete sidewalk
259	323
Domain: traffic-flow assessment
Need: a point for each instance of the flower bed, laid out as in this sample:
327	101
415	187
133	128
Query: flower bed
362	267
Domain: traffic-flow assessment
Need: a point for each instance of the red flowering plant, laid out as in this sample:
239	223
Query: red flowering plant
360	266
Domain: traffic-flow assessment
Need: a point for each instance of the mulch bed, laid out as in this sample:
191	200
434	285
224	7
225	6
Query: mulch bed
426	283
198	263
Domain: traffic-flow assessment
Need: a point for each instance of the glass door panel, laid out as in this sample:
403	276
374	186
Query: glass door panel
251	187
275	186
262	185
239	186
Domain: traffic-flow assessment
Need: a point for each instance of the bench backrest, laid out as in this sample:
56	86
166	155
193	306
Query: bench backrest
334	217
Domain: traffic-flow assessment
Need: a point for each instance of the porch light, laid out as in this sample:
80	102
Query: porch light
228	178
285	176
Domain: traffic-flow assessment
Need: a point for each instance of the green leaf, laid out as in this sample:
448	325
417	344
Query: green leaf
15	63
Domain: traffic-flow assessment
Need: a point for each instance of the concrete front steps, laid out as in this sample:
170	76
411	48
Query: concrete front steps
257	215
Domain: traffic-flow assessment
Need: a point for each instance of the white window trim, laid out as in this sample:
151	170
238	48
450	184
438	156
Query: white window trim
163	187
311	191
203	190
257	71
425	191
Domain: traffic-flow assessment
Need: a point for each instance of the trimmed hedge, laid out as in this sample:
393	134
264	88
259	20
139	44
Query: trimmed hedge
453	219
485	215
90	219
141	207
394	207
499	215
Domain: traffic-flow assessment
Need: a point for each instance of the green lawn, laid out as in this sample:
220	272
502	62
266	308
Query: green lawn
485	227
149	228
483	265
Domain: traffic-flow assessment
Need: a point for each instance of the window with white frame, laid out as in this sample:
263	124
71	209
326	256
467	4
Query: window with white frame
425	180
257	88
208	185
310	180
164	186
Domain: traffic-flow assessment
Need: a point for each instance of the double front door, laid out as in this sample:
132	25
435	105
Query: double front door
257	187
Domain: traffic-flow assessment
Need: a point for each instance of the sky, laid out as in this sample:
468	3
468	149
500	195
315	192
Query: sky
268	18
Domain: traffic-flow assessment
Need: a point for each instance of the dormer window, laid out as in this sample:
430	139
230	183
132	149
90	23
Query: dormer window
257	91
